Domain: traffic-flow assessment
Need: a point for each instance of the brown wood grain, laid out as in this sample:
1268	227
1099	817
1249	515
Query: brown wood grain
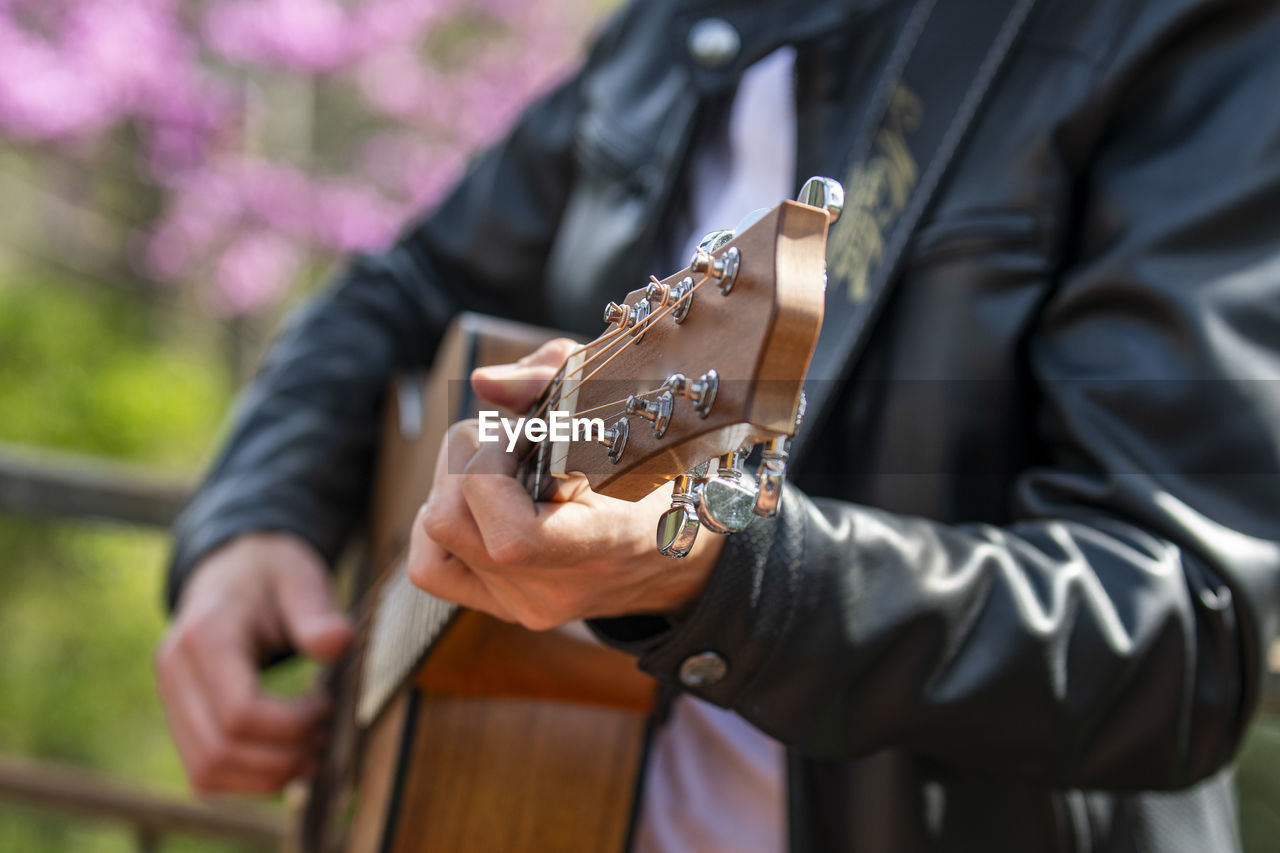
377	777
483	656
518	775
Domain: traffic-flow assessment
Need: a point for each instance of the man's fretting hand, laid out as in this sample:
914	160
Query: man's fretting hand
482	542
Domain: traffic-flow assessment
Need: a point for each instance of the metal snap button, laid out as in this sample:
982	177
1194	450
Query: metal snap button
703	669
713	42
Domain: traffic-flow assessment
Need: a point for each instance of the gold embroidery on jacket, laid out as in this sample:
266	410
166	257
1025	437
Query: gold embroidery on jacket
876	194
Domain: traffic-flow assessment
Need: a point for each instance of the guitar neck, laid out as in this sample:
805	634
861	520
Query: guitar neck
407	622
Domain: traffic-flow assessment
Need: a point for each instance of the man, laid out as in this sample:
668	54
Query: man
1021	585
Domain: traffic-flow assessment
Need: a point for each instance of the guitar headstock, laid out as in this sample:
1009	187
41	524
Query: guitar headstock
704	363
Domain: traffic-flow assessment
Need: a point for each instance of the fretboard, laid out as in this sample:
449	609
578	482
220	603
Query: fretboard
406	622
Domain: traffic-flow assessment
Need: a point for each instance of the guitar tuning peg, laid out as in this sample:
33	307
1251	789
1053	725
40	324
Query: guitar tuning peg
615	313
713	241
656	411
751	219
681	296
615	439
769	479
773	468
823	192
701	391
678	527
724	268
656	293
727	500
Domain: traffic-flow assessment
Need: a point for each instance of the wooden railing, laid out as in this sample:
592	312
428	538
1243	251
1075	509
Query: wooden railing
73	791
59	486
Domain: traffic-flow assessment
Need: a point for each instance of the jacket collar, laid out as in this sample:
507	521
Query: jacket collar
761	26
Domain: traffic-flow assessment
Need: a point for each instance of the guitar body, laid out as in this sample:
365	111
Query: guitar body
504	738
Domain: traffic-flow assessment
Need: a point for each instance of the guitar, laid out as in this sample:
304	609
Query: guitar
454	731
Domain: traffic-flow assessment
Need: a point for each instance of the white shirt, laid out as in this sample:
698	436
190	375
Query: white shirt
714	783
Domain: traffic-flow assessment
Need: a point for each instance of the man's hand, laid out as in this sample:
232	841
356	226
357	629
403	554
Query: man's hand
256	596
482	542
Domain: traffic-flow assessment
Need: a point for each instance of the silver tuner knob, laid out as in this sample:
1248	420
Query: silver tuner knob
727	500
615	439
678	526
714	241
681	296
773	467
773	471
723	269
656	410
826	193
751	219
701	391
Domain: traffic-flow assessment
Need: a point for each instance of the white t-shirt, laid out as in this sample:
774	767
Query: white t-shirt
715	784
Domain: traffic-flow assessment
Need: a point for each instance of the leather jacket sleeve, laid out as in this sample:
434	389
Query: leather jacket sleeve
300	449
1113	633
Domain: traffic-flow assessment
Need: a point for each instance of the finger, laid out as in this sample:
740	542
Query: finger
228	676
434	570
516	386
217	762
313	624
445	518
506	518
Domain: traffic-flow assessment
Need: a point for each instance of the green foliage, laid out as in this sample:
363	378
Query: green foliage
87	369
1258	781
121	375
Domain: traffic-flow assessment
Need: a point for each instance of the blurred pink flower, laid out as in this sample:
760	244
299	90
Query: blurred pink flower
254	270
72	70
277	196
303	35
350	217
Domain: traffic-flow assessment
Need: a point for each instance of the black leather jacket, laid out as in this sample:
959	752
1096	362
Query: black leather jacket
1028	576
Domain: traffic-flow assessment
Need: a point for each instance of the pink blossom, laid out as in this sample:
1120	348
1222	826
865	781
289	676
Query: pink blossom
303	35
253	271
350	217
236	212
277	196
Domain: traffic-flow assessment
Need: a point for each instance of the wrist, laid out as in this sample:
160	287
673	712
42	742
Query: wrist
690	579
253	552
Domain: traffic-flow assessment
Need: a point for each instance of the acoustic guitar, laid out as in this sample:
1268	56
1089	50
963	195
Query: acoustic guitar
454	731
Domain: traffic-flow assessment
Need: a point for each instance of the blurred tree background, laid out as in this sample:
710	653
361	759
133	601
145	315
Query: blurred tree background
174	174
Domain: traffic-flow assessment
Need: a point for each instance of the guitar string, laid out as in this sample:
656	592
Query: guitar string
602	339
525	458
637	332
393	591
648	393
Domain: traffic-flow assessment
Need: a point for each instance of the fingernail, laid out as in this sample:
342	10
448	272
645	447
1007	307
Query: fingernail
500	371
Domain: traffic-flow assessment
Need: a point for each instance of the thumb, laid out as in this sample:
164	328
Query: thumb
314	626
516	386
